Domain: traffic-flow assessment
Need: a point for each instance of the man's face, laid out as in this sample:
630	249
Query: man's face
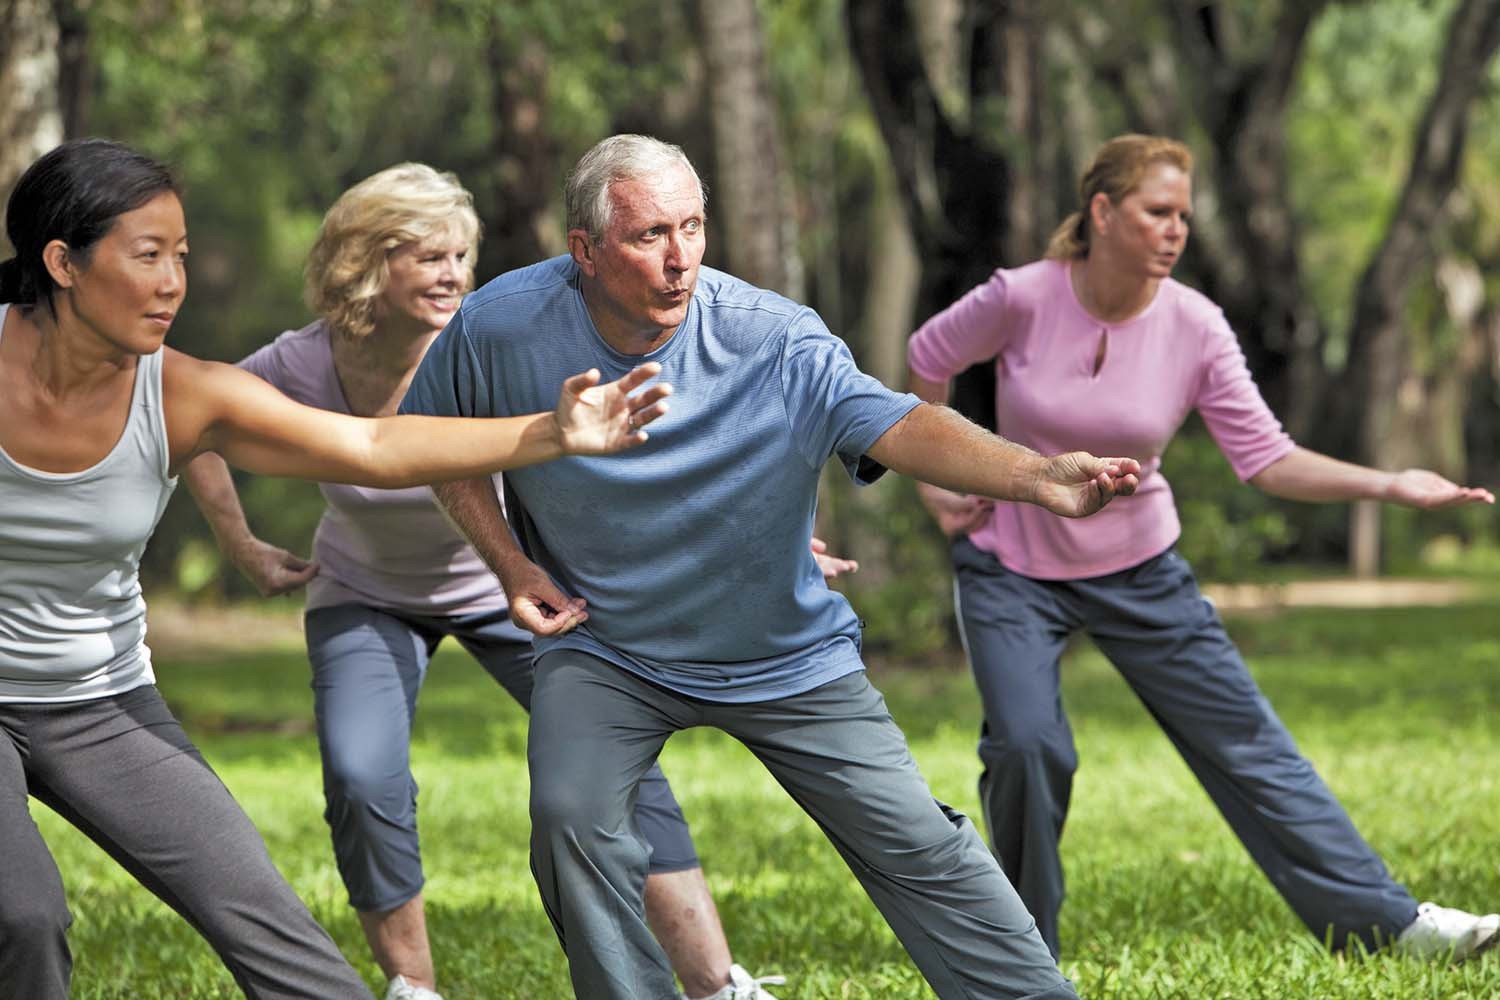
643	268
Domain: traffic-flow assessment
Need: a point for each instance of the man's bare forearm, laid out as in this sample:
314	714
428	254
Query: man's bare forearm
939	446
474	509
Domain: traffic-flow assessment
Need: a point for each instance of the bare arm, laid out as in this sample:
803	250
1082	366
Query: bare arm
536	603
955	513
1308	475
215	407
938	446
273	570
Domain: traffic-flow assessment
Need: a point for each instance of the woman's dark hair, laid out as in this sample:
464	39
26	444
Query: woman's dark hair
73	193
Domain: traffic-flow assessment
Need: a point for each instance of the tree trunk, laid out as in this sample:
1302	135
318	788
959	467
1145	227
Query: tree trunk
525	164
956	181
31	120
1370	390
751	197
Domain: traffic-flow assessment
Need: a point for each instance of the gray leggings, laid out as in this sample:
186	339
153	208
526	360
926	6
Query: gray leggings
368	668
122	771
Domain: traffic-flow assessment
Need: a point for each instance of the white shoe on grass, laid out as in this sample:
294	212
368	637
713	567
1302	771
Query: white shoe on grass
399	989
743	986
1440	932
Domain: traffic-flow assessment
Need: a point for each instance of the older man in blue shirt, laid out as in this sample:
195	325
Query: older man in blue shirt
698	601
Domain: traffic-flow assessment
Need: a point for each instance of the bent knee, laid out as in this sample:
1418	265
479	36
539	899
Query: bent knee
1028	750
33	923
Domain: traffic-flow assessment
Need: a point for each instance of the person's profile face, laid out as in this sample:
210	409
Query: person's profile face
132	282
1149	226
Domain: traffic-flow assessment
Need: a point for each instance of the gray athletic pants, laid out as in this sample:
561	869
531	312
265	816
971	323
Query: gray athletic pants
595	729
1170	646
368	665
122	771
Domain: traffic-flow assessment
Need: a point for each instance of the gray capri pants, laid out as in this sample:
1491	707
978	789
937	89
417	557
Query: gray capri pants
368	665
1170	646
122	770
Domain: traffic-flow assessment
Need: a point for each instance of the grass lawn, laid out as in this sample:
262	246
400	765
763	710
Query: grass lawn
1395	707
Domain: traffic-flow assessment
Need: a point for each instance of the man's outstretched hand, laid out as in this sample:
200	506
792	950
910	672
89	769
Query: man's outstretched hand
1076	484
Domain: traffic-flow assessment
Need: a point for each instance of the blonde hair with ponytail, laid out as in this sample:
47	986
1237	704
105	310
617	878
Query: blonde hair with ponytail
1117	170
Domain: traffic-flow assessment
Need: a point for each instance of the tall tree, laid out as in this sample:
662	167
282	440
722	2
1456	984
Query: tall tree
751	195
1366	403
956	174
31	120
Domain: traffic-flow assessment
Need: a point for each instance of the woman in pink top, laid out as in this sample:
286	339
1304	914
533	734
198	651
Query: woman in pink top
1097	348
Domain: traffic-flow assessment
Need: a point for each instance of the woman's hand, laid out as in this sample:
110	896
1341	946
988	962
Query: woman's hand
1427	490
956	513
273	570
832	567
594	419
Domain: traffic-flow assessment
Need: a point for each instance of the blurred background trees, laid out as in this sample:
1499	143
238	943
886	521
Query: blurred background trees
875	158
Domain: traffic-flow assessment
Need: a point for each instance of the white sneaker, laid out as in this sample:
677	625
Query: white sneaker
399	989
743	986
1443	933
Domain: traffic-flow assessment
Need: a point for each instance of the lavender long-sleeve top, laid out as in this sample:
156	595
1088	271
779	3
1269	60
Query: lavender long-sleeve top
382	548
1055	394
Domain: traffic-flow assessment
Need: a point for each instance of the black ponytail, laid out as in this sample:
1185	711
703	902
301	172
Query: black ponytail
10	279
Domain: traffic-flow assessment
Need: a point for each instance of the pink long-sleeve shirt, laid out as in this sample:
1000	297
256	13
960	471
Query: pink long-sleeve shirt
1178	355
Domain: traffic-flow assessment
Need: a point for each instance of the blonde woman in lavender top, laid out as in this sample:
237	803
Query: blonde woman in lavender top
1096	347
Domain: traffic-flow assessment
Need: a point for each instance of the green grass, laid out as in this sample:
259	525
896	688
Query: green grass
1393	706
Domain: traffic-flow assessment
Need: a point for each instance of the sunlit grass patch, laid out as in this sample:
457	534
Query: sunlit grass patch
1394	707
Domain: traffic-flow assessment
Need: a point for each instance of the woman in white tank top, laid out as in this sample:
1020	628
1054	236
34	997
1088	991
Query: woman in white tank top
96	418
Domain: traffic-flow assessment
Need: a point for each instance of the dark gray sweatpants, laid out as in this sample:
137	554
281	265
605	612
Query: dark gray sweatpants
1170	646
122	771
595	728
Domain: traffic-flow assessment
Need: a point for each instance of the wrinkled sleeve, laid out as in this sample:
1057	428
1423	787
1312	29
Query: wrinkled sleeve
832	407
966	333
268	364
1242	425
451	380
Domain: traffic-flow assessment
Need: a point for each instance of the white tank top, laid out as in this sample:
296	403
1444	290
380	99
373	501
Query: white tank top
72	620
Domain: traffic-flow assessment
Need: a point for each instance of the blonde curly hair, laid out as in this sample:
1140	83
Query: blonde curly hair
346	269
1117	170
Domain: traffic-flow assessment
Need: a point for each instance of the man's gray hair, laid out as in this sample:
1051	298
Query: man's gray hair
618	158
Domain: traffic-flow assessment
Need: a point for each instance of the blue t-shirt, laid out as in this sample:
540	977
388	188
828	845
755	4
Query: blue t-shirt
691	550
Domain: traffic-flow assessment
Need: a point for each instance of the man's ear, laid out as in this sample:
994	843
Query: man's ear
59	263
581	247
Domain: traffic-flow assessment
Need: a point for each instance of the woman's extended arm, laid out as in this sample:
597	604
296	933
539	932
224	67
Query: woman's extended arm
1308	475
216	407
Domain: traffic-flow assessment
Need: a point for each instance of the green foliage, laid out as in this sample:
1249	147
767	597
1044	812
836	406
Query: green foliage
903	591
1394	707
270	108
1229	530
